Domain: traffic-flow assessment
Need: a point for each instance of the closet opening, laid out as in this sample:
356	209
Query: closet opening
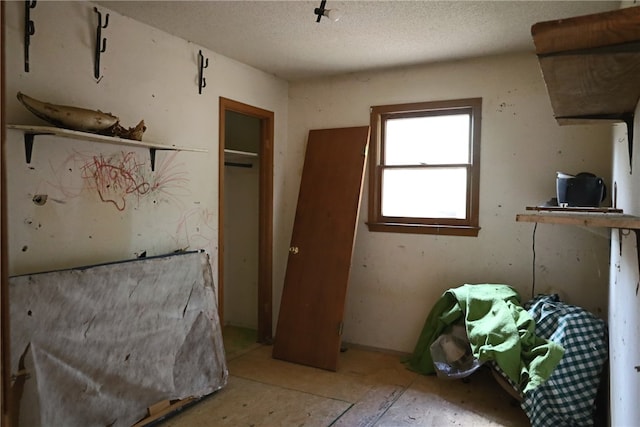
245	218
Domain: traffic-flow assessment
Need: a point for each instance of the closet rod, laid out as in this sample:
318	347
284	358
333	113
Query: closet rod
238	165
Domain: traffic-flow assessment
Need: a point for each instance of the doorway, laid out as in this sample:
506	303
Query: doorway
245	195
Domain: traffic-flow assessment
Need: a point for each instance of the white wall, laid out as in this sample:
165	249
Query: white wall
396	278
147	74
624	298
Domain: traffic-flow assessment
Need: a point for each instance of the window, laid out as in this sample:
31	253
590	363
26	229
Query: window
425	167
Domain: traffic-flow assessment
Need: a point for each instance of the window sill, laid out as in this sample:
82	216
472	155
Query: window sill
443	230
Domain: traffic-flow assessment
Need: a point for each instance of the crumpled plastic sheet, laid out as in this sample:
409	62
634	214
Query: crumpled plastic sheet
103	343
451	354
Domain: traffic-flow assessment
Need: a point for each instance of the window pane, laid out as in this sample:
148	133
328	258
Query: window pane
430	140
425	193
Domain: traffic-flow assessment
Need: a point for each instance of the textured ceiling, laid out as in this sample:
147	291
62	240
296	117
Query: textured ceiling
283	38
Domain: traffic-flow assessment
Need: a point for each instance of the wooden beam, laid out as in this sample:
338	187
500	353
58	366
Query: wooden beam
587	32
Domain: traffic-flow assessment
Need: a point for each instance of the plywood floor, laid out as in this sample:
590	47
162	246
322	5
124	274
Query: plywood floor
369	389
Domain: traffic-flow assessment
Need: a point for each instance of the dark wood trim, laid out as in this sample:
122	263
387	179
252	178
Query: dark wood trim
221	139
4	266
265	239
375	171
443	226
443	230
474	205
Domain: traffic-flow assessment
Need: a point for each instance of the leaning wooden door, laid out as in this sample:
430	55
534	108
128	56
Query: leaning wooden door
310	320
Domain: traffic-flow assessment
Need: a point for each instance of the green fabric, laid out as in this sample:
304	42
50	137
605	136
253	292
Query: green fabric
499	329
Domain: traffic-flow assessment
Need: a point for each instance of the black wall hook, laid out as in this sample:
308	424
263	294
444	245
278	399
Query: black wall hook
101	43
202	64
29	30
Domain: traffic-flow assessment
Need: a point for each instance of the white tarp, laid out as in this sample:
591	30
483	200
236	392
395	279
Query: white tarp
103	343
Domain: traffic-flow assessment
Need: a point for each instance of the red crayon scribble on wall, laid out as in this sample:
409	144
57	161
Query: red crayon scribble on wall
197	228
120	177
115	178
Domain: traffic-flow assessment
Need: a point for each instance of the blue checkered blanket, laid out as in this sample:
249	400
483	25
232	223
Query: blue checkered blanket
567	397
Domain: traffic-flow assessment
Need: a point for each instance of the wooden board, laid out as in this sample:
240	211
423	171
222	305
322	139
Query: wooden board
162	409
582	85
572	209
591	65
587	32
312	306
582	219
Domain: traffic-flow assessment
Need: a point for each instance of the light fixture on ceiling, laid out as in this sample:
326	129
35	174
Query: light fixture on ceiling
333	14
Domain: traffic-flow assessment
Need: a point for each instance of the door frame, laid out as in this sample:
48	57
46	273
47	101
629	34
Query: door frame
265	213
5	330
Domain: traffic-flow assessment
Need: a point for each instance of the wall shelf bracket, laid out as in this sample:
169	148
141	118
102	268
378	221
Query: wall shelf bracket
28	146
29	137
637	231
628	119
152	156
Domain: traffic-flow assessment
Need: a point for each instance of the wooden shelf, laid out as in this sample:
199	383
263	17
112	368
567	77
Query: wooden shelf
237	154
587	219
584	219
239	158
591	66
31	131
